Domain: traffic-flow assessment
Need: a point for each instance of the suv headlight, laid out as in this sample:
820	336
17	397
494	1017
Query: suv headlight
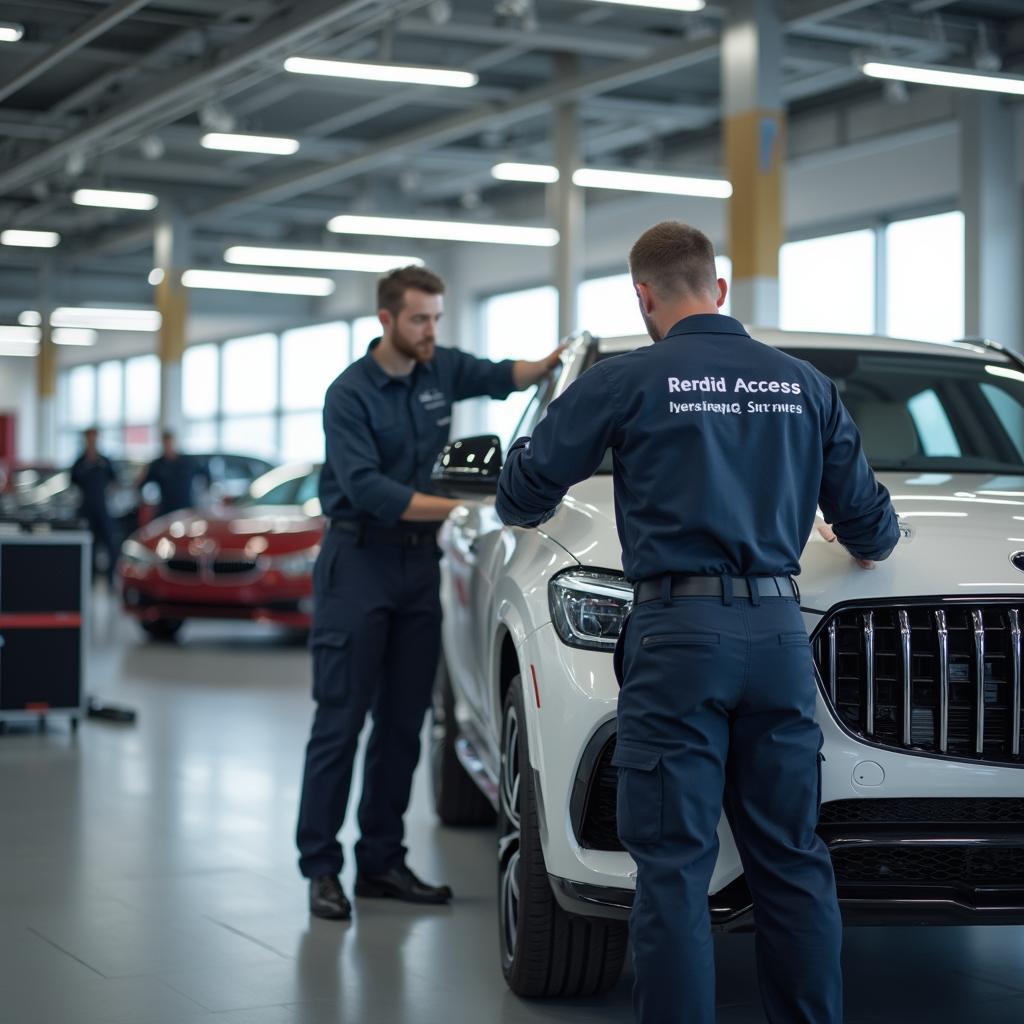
137	556
298	563
588	608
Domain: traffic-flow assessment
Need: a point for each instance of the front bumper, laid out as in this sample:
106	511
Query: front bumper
914	839
272	598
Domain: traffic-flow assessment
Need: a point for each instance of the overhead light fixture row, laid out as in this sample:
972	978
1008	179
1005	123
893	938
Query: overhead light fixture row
269	145
19	335
408	74
30	239
278	284
625	181
114	199
683	6
11	32
317	259
74	336
954	78
92	319
442	230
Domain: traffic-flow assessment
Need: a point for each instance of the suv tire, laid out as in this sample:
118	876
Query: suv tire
457	799
545	951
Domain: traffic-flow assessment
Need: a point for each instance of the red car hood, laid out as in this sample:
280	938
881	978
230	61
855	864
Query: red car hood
250	529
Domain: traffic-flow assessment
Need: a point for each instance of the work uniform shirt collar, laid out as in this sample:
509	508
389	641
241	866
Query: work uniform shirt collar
382	379
707	323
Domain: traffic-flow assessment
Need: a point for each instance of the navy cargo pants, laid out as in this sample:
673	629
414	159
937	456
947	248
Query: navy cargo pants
716	710
376	641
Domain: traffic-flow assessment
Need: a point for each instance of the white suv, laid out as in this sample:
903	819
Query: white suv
918	661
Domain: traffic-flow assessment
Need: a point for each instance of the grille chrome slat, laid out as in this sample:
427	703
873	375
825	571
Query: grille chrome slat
978	621
869	674
908	694
928	676
942	632
1014	616
833	655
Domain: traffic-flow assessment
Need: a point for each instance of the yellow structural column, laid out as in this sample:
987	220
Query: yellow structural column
754	142
46	389
171	259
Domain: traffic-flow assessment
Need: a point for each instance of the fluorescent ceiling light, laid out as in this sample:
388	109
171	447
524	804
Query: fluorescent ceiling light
686	6
97	319
272	145
34	239
279	284
317	259
407	73
156	276
74	336
114	200
11	32
444	230
30	318
668	184
542	173
20	335
956	78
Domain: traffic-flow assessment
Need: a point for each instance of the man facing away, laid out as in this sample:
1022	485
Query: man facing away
376	633
714	503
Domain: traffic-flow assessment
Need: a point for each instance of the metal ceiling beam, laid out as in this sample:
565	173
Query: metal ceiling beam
488	116
554	39
268	40
82	37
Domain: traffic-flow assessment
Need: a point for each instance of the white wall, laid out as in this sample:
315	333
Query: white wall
18	395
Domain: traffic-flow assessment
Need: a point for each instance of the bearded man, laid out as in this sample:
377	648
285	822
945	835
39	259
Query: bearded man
376	633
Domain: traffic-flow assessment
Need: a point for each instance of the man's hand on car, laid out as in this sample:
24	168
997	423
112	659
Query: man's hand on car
827	533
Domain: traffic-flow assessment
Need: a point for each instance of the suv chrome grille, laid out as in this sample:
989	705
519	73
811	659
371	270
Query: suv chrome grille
925	678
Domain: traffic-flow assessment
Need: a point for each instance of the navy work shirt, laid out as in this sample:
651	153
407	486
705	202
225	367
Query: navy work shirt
384	433
92	478
176	479
723	447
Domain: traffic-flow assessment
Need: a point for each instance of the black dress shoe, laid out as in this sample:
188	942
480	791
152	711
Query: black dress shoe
401	884
327	899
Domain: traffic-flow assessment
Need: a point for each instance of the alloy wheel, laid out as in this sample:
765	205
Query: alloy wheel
510	835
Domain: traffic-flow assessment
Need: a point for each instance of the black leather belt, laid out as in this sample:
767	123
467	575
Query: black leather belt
714	586
367	533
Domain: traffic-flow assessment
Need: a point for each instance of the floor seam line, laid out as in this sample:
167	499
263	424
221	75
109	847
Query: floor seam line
248	938
61	949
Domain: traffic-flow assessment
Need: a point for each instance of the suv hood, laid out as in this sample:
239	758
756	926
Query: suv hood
959	531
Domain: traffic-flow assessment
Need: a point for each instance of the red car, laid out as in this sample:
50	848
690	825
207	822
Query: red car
250	559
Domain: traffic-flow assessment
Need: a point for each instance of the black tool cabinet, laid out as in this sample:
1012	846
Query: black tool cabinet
44	598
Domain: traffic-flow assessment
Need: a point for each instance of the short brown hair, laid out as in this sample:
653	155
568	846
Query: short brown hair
392	287
675	260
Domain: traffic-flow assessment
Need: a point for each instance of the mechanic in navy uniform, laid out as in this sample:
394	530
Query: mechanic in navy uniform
377	614
92	473
175	474
722	447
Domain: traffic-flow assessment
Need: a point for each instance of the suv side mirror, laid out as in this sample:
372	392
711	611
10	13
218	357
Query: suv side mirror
468	468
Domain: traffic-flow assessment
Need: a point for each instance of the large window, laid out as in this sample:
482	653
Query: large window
517	325
364	330
311	357
925	277
250	375
828	284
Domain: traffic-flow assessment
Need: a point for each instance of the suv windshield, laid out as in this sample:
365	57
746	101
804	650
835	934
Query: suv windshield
915	411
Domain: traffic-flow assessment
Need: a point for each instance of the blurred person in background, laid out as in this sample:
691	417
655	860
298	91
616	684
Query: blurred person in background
175	474
92	474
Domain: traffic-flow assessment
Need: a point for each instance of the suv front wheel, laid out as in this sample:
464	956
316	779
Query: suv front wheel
544	950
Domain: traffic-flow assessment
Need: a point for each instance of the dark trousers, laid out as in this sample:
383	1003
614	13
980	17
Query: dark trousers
375	641
716	710
104	535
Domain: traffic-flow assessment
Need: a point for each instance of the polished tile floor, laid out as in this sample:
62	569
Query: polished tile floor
147	876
